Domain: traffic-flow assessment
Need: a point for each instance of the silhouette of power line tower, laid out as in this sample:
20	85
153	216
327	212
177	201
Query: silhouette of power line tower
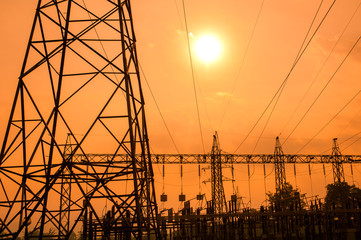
337	167
80	76
280	170
217	189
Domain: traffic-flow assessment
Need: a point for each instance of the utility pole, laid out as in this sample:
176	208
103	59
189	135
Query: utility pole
80	76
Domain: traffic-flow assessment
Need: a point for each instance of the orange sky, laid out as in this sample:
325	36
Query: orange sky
163	54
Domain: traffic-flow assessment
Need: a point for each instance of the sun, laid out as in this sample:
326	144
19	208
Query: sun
207	48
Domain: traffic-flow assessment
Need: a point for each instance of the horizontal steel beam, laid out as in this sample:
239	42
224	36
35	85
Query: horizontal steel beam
226	158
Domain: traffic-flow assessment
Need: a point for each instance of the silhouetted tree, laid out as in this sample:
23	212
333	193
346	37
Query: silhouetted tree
287	199
340	194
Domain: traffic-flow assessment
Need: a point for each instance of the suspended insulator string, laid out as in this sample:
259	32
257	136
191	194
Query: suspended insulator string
242	63
264	182
232	171
320	70
353	182
181	172
324	173
199	179
163	176
280	89
330	120
159	111
310	174
300	52
323	89
249	187
295	173
193	77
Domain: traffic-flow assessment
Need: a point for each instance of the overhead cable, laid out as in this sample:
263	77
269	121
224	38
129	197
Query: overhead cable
323	89
242	63
324	126
159	111
320	70
298	57
193	77
315	79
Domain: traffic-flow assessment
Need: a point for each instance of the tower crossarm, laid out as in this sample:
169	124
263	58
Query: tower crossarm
225	158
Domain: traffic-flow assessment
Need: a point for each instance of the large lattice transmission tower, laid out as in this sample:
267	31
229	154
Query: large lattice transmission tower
337	167
280	170
80	76
217	189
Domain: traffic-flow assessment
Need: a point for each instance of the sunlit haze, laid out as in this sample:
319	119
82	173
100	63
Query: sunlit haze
208	48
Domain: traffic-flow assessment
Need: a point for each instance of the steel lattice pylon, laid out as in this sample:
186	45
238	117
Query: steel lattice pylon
280	172
80	76
337	167
218	197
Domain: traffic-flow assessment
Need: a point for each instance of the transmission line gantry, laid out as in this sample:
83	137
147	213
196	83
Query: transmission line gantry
80	75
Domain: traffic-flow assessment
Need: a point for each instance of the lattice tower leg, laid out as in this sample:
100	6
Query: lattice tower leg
80	75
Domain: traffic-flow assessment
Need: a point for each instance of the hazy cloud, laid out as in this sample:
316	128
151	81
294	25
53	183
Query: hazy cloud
343	46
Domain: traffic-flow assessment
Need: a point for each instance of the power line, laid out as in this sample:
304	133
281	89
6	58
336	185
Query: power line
330	120
242	63
193	77
160	112
358	139
178	13
298	57
323	89
320	70
329	149
283	84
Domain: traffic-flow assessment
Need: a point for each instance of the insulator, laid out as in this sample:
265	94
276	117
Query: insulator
182	197
163	198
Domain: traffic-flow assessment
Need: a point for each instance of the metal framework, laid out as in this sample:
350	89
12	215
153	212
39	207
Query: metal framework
65	194
217	190
227	158
280	171
80	76
337	167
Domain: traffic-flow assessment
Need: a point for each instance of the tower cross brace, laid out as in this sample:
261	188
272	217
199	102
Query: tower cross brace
80	75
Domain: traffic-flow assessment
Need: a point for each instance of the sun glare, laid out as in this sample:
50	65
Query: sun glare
207	48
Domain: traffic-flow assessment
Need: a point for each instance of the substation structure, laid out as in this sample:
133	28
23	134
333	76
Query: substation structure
295	219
